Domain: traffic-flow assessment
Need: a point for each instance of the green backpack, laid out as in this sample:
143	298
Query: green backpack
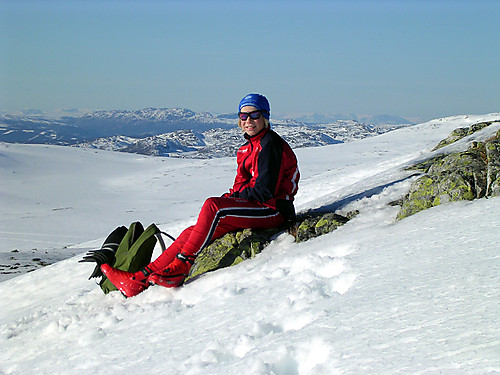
134	252
126	249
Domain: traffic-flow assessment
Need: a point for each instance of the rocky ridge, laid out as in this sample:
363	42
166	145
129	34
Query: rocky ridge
464	175
461	175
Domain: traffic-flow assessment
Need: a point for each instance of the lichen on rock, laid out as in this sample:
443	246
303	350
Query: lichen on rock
466	175
493	170
235	247
459	133
231	249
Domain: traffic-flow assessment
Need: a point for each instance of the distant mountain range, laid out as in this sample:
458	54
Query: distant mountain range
179	132
318	118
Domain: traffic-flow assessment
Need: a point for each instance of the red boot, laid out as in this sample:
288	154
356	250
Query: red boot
175	273
129	283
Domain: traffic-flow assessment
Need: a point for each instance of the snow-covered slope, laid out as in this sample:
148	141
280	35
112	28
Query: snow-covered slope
373	297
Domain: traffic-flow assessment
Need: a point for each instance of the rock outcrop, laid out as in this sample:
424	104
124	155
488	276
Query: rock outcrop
235	247
466	175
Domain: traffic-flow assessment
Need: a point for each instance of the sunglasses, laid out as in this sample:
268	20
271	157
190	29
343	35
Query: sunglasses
254	115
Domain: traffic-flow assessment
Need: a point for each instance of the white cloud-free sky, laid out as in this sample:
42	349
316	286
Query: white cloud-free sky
418	59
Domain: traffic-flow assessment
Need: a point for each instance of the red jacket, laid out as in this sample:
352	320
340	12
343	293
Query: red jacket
267	172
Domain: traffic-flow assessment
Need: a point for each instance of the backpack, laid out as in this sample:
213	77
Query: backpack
134	250
126	249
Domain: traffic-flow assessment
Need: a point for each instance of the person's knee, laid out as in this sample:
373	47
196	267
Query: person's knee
212	205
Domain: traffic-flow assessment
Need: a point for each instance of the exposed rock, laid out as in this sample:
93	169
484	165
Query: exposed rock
493	170
466	175
454	136
313	225
231	249
235	247
459	133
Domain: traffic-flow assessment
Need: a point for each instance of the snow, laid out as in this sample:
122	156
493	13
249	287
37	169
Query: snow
376	296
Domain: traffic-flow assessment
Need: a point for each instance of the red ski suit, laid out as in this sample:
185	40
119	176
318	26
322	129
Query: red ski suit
261	197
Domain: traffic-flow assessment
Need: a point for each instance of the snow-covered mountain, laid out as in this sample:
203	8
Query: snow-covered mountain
318	118
68	130
38	130
223	142
376	296
172	131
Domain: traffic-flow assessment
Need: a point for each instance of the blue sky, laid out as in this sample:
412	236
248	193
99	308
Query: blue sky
417	59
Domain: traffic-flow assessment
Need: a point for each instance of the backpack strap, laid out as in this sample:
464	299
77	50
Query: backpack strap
160	240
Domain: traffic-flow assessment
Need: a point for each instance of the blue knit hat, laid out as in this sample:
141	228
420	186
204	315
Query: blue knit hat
258	101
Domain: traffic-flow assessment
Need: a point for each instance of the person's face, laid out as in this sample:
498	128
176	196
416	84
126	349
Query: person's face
251	126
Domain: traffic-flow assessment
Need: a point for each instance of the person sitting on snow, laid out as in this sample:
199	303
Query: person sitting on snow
261	197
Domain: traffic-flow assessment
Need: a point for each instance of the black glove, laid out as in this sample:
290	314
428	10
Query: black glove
106	254
100	256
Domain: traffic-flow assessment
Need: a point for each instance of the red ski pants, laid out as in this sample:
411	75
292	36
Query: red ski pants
218	216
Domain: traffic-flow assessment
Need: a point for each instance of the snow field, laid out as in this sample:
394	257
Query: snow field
375	296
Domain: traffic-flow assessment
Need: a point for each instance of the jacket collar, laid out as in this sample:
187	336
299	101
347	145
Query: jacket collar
258	136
